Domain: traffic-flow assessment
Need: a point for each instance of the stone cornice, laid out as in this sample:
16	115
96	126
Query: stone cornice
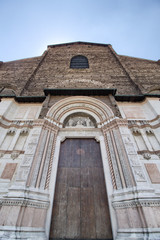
25	99
113	123
19	124
80	92
5	123
135	98
147	153
144	123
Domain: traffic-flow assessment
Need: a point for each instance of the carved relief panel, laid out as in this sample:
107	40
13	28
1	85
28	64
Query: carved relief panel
79	120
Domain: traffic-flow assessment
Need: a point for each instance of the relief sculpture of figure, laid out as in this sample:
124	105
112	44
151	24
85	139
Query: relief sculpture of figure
79	122
88	122
70	122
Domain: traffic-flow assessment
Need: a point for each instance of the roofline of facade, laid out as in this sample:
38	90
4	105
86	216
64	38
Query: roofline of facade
139	58
78	42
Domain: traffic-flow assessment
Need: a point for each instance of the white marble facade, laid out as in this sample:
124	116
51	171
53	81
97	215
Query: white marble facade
29	151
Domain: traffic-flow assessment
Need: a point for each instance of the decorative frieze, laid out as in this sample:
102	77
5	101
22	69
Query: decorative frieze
137	203
5	123
24	203
141	124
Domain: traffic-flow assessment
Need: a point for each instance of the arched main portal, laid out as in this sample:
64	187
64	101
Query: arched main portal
80	173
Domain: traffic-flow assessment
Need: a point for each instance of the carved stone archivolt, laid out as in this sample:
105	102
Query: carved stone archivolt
93	107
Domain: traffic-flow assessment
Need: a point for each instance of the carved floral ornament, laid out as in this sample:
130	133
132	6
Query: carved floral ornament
80	111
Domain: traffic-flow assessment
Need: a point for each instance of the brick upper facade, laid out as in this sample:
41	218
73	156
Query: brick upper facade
107	69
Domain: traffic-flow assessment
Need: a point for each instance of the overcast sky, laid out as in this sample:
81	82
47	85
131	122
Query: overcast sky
132	27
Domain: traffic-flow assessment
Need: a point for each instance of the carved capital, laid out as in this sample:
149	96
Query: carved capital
11	131
136	131
149	131
24	130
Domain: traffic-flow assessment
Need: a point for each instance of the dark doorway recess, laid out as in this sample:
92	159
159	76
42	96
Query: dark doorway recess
80	209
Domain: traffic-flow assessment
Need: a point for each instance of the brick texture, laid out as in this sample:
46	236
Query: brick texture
28	77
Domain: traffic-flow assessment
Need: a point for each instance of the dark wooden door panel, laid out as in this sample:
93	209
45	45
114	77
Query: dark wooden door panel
80	209
74	177
88	223
73	213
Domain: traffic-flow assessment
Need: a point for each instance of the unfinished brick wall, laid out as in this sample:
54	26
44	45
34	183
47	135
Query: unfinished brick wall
28	77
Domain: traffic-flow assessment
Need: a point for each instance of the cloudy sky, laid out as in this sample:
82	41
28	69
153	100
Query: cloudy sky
132	27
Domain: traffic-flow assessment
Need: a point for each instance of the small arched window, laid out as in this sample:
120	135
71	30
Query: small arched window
79	61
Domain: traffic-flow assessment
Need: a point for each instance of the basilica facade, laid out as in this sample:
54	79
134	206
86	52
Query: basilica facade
80	145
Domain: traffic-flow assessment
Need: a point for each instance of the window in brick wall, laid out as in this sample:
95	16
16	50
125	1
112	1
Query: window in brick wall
79	61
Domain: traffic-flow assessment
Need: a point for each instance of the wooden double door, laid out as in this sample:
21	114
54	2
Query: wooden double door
80	209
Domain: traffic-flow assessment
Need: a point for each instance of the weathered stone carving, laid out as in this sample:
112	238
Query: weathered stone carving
11	131
24	131
14	155
133	160
147	156
149	131
139	175
132	122
79	120
143	122
136	131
